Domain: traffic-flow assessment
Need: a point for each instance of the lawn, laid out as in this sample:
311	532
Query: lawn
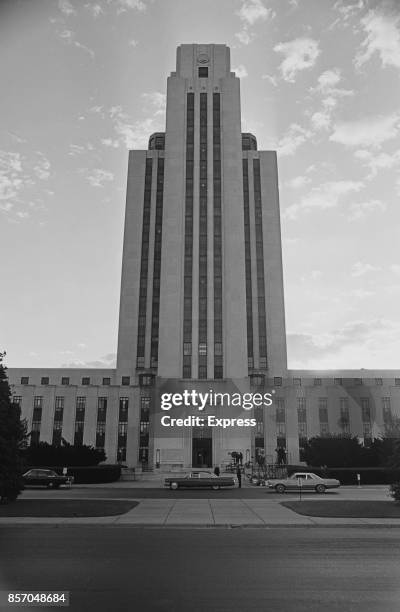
68	508
345	508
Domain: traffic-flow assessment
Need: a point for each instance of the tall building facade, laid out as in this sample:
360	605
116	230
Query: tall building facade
201	305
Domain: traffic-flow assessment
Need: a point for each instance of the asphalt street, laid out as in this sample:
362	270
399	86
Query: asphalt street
158	492
201	570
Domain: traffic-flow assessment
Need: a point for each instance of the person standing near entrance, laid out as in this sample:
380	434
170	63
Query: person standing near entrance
216	470
239	477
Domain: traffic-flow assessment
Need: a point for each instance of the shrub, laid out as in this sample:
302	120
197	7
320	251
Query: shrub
395	491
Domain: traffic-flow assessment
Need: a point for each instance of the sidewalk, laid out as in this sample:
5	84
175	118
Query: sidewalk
210	513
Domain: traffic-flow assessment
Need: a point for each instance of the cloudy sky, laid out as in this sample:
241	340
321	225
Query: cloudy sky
83	82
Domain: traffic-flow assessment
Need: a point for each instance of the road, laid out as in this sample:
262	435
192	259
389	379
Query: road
207	570
158	492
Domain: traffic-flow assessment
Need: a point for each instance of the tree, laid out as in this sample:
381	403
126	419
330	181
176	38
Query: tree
335	451
12	441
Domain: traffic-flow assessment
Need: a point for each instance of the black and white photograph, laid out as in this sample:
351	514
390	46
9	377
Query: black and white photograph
199	315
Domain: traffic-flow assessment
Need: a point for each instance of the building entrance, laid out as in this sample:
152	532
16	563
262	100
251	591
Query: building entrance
202	447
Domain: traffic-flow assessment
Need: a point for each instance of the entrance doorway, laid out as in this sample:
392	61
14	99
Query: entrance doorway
202	447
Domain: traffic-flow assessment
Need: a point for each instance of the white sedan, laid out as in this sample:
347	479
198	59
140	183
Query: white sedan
306	481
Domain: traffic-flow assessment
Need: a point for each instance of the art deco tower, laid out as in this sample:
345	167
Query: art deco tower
202	289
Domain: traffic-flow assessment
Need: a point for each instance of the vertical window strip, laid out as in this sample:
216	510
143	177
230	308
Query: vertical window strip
217	178
188	262
249	299
262	326
80	409
203	294
58	420
144	426
122	428
144	264
101	422
157	265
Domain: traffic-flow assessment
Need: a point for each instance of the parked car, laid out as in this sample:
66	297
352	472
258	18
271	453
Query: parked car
200	480
307	481
47	478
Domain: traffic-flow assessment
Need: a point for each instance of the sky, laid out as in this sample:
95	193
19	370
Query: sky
84	82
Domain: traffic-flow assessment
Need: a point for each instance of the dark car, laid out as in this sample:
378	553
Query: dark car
200	480
46	478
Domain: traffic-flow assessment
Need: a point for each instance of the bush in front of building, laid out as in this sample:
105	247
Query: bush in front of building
44	454
337	451
12	440
395	491
95	474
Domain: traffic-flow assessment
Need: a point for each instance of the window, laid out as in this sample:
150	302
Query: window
344	419
24	380
144	426
79	420
58	420
397	382
378	381
317	382
17	400
146	380
106	381
65	380
202	348
86	380
277	381
297	382
365	410
101	422
337	381
203	72
358	381
387	412
126	381
44	380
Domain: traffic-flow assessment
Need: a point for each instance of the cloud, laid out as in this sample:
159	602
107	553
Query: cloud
360	210
327	195
42	168
66	8
125	5
156	100
295	136
107	361
354	345
95	9
300	54
382	37
135	134
377	161
240	71
252	11
245	37
360	269
99	177
109	142
270	79
69	37
327	82
371	131
298	181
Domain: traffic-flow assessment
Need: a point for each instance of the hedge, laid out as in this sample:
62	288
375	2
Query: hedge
348	476
89	474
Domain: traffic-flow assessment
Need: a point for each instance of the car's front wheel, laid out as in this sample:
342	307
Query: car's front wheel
320	488
174	486
280	488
